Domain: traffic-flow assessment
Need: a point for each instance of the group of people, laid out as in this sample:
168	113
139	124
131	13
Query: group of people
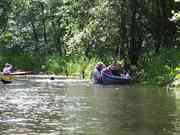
114	69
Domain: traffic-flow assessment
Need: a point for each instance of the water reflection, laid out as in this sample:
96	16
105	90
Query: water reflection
70	108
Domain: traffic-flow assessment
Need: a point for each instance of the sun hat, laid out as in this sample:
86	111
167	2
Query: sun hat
100	65
7	65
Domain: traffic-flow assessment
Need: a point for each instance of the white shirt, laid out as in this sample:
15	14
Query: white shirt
96	76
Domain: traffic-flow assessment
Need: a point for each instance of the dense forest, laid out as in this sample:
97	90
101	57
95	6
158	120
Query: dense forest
69	36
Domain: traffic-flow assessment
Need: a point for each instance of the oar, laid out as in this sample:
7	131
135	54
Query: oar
22	73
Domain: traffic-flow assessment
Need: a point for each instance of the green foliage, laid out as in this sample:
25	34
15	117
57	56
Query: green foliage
90	67
4	12
69	36
56	65
176	16
6	38
160	68
20	61
88	27
177	72
70	66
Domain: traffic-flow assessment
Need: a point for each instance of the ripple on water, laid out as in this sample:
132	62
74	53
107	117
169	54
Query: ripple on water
46	108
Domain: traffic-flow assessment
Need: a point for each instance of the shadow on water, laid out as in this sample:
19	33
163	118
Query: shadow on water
76	107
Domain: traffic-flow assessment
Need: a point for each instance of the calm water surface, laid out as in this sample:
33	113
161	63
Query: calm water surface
43	107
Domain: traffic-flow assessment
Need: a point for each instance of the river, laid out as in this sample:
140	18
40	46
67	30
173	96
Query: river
76	107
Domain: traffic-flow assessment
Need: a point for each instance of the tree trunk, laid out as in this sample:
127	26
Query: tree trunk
44	30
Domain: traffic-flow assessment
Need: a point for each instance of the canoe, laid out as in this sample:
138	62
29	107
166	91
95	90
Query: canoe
109	79
5	79
9	78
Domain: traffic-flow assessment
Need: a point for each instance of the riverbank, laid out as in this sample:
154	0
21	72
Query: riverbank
161	69
151	69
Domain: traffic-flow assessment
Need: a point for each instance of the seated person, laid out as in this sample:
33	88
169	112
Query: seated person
7	69
115	69
96	76
107	71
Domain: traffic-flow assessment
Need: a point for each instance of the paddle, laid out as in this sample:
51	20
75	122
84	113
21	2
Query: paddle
21	73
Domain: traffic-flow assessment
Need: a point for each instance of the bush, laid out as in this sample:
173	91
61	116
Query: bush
70	66
160	68
20	61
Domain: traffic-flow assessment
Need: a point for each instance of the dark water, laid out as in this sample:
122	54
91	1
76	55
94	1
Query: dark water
78	108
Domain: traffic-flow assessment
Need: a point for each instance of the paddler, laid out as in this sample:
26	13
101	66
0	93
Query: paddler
7	70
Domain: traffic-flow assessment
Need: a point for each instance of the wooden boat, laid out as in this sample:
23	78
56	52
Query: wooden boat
10	77
5	79
109	79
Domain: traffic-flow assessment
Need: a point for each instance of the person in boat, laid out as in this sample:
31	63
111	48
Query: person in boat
96	76
7	70
116	69
6	74
107	71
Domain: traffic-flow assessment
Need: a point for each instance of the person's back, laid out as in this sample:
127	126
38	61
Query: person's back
115	69
96	76
107	71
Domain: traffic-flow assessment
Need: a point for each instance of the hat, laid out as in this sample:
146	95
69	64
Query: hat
100	65
7	65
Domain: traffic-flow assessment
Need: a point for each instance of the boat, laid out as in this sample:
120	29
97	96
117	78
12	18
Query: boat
6	79
112	79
